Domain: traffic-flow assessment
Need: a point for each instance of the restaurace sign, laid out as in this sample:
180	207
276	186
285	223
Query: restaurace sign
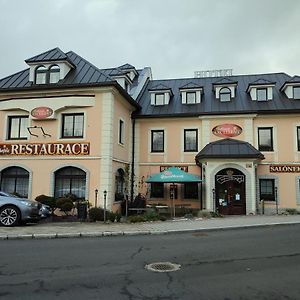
45	149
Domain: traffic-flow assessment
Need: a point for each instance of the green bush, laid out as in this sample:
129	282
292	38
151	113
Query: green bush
292	211
96	214
136	219
65	204
111	216
216	214
118	217
151	216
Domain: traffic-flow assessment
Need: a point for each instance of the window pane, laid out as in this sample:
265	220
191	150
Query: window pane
298	137
261	94
190	97
121	132
225	94
78	125
297	92
18	127
54	77
73	125
267	191
157	190
224	97
191	191
265	140
190	140
157	141
159	99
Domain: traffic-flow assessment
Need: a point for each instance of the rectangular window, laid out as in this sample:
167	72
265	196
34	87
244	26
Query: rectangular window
157	190
265	139
17	128
157	141
261	94
121	132
191	97
298	138
267	189
72	125
159	99
296	92
190	140
191	190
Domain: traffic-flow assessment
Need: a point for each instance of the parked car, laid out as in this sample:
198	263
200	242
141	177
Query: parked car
45	211
14	210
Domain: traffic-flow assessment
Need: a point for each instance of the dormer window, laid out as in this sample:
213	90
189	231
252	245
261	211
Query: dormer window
261	94
54	74
159	99
191	93
49	67
40	75
261	90
45	76
296	92
225	89
160	95
225	94
190	97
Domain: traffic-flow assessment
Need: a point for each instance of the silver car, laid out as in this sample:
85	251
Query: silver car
15	210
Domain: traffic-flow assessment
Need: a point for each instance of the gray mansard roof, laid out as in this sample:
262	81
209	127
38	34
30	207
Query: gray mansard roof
241	104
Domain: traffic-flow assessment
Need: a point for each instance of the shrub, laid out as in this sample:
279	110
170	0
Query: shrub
162	218
111	216
151	216
292	211
136	219
65	204
47	200
204	214
96	214
118	217
216	214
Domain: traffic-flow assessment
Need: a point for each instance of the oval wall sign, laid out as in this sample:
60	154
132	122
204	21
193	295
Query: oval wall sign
42	112
227	130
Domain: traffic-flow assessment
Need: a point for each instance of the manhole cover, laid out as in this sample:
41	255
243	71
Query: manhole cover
163	267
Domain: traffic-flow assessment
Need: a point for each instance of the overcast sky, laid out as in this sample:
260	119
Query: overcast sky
173	37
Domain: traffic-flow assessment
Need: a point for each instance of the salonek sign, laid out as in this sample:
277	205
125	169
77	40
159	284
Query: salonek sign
45	149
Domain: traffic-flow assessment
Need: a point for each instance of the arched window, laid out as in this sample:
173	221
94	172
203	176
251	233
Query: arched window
70	180
225	94
40	75
54	74
120	185
15	180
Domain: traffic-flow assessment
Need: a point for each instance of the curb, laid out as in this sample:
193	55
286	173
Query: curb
134	233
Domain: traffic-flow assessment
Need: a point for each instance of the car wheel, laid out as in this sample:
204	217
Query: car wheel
9	216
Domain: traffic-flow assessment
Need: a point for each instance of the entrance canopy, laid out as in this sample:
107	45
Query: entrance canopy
173	175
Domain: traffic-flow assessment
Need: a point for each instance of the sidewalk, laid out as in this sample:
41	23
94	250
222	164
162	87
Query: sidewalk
74	229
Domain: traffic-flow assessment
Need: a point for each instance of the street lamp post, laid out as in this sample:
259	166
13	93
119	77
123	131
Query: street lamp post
104	214
96	196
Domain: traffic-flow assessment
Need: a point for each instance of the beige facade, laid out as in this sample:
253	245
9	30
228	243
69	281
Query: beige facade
102	108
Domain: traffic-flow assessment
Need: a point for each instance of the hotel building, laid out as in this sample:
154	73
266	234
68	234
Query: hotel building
70	127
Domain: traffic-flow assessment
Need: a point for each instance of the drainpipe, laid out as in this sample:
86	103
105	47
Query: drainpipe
132	161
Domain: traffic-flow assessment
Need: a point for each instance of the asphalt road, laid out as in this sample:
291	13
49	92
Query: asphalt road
261	263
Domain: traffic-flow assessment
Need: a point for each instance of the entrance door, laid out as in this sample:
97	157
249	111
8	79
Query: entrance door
230	192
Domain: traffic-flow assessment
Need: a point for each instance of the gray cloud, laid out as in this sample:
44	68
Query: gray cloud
174	37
